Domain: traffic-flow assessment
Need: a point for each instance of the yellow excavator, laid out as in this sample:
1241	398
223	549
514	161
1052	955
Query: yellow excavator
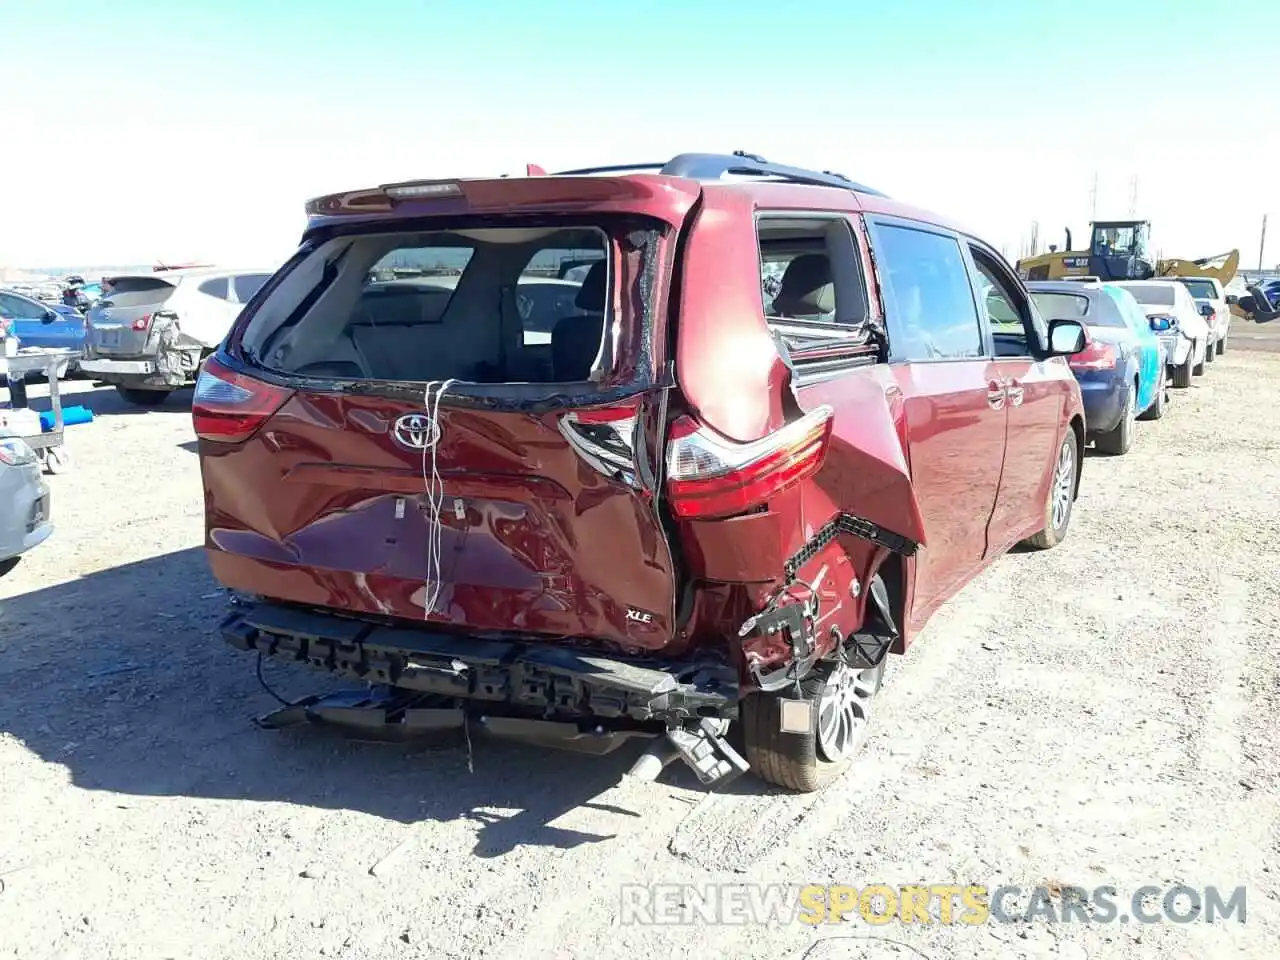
1120	250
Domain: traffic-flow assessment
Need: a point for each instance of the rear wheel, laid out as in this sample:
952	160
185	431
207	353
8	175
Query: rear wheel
1210	352
142	398
1062	493
1182	374
841	698
1119	439
1156	410
1222	346
1198	369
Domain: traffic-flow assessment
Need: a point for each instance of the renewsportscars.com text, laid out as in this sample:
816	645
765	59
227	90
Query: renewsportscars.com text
943	903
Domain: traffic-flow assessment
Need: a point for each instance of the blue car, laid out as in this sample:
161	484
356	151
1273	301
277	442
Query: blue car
1121	371
50	325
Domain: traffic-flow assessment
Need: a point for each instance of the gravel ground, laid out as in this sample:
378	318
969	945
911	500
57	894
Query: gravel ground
1104	713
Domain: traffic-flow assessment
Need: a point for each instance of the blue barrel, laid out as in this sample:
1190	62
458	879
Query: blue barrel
70	417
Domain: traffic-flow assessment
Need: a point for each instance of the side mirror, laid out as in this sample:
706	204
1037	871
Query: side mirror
1158	324
1232	300
1206	310
49	316
1066	337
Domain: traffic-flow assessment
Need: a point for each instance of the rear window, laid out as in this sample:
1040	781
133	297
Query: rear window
487	305
247	284
139	291
1160	295
1061	306
1201	289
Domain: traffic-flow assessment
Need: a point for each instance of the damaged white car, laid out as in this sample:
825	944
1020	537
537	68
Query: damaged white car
148	336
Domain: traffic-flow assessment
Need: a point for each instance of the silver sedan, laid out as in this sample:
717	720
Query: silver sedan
24	500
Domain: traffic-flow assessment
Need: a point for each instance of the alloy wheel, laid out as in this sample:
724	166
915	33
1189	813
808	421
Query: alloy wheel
843	709
1063	479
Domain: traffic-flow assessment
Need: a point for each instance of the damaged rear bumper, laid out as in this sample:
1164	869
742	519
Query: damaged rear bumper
496	677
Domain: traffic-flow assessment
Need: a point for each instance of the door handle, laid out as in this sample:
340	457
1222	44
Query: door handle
996	392
1013	390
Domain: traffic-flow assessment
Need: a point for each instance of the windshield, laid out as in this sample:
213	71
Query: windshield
1121	240
1201	289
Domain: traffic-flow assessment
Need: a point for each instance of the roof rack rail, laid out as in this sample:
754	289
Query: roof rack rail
713	166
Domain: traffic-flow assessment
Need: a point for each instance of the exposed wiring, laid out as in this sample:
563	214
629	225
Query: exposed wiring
435	495
262	680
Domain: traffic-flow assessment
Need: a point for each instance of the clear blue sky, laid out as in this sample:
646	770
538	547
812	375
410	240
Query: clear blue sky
139	130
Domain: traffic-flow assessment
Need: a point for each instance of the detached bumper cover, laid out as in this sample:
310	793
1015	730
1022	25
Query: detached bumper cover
525	678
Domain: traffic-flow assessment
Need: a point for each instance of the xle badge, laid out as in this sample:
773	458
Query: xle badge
638	616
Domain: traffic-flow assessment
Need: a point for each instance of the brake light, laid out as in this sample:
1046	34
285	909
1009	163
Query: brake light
708	476
1096	355
229	407
605	439
142	323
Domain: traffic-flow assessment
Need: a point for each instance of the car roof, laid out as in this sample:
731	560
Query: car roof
769	185
1089	290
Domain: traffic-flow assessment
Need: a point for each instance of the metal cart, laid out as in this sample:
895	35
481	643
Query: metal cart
48	446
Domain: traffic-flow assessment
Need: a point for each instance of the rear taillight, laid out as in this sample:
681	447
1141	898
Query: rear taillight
708	476
142	323
229	407
1096	355
605	438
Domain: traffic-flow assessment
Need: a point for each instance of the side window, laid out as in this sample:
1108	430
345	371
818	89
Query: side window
810	270
246	285
20	308
216	287
1008	313
929	302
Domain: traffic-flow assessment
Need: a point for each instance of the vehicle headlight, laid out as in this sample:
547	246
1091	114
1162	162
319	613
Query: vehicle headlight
15	452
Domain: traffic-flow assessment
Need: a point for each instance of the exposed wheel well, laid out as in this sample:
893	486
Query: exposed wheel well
893	572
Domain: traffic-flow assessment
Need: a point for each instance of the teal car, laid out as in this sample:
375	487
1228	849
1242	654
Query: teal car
1121	371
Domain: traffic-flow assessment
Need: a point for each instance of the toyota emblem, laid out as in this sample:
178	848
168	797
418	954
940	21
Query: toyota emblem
417	431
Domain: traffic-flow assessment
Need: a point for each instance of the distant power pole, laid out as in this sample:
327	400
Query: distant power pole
1035	237
1262	244
1133	196
1093	198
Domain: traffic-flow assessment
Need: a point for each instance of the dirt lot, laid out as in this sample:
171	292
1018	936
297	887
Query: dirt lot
1105	713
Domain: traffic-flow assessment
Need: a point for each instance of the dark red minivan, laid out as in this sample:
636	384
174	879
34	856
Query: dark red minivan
628	452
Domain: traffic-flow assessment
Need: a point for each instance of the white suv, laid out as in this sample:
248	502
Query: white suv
1209	290
149	334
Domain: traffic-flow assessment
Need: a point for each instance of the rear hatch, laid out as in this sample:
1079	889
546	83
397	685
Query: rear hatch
121	323
421	419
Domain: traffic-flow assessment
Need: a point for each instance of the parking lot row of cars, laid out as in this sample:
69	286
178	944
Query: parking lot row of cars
646	454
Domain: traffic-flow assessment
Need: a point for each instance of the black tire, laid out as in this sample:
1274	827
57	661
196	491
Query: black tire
1198	369
1156	410
1210	352
1182	374
1055	522
142	398
1119	439
1222	346
797	761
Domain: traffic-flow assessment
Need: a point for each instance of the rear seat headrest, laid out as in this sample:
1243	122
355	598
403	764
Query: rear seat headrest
807	289
591	297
